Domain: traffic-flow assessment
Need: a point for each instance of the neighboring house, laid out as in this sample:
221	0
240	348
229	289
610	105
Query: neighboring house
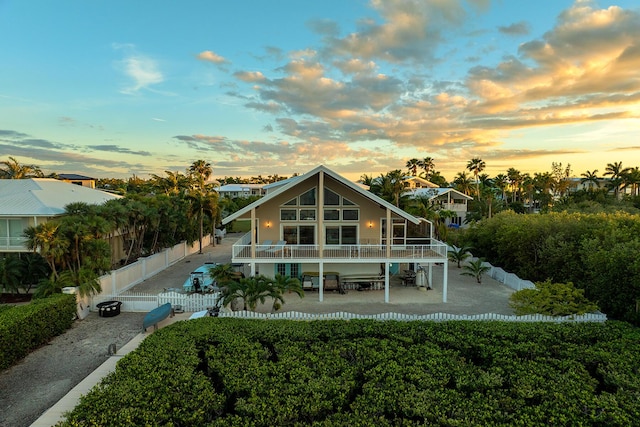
412	182
320	222
29	202
81	180
240	190
447	199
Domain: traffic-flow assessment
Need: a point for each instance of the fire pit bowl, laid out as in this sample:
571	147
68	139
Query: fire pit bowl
109	308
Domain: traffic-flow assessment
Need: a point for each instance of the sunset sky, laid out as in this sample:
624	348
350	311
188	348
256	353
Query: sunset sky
117	88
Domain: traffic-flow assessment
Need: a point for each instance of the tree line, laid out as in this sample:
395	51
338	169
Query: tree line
76	248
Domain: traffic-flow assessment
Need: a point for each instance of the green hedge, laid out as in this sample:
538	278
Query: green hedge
231	372
596	252
26	327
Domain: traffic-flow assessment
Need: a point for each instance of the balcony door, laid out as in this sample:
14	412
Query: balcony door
398	231
299	234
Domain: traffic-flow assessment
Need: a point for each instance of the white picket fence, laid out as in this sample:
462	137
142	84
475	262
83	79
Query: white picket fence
434	317
139	302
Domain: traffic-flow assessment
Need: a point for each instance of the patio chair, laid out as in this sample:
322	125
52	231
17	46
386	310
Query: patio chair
264	246
279	246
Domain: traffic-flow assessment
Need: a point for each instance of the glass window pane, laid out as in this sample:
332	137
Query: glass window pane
307	214
347	202
288	214
308	198
331	214
307	235
350	214
331	198
292	202
333	235
290	234
349	234
281	269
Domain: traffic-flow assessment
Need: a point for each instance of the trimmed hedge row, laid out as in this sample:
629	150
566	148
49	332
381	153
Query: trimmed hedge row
233	372
26	327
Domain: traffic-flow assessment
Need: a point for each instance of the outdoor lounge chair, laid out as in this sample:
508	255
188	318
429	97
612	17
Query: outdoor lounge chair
277	247
264	246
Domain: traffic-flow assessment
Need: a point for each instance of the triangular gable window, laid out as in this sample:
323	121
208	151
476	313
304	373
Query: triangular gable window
292	202
347	202
331	198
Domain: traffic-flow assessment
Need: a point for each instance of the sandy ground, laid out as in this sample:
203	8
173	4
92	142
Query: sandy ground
32	386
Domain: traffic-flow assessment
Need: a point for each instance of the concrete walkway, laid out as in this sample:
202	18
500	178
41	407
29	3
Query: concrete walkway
465	296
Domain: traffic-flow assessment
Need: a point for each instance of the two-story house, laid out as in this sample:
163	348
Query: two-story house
321	222
30	202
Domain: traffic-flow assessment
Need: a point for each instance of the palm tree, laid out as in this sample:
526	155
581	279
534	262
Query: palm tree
458	255
515	178
476	166
501	182
11	273
366	180
428	165
616	171
14	170
462	182
590	178
199	172
631	178
281	285
475	269
412	166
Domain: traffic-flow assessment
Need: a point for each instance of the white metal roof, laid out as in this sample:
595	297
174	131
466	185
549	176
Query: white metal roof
45	196
435	192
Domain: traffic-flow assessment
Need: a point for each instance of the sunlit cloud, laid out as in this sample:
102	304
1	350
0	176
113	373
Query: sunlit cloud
211	56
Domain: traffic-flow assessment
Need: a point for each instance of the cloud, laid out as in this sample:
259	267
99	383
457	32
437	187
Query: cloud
407	31
142	70
521	28
249	76
211	56
118	149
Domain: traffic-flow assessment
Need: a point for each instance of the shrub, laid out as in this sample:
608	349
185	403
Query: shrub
26	327
553	299
233	372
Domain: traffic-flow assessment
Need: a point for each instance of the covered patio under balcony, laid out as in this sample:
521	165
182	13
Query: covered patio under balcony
361	260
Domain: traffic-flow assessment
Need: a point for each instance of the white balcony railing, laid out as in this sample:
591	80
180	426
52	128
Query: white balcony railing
430	249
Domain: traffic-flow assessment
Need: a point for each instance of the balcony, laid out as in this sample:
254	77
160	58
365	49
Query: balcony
13	244
427	250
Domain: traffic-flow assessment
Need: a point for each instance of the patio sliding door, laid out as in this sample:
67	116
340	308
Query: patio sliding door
299	234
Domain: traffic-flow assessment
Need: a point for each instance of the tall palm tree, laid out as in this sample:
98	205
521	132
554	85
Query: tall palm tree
476	166
427	164
590	178
501	181
412	166
199	172
14	170
515	178
616	171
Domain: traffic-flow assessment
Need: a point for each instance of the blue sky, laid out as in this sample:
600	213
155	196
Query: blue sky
113	89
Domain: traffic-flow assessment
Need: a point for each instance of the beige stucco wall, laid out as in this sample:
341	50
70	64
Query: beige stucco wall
270	226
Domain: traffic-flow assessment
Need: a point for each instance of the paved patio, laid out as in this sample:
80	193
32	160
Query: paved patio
464	295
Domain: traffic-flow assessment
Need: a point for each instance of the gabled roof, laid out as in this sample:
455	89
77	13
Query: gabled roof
292	182
435	192
45	196
240	187
73	176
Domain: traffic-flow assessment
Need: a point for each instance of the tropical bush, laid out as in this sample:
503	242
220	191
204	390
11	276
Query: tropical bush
596	252
26	327
553	299
232	372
